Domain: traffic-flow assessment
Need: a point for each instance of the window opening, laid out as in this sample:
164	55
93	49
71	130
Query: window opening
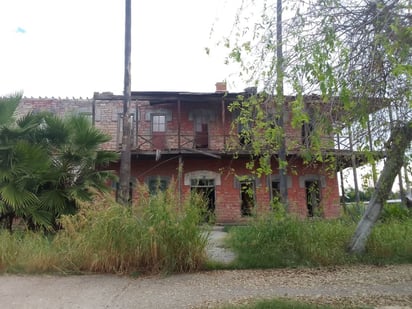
312	197
307	131
201	133
244	135
247	195
158	123
275	191
157	184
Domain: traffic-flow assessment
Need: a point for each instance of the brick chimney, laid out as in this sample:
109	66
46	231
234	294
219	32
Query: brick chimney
221	87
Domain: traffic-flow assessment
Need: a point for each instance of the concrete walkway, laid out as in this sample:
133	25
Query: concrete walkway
216	250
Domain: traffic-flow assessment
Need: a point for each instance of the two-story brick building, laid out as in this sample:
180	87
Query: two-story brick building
185	136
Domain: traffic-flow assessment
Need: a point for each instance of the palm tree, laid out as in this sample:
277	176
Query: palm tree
8	105
48	165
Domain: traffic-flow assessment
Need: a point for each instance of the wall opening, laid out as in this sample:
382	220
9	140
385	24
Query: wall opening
247	195
313	197
201	134
275	191
206	188
159	131
157	184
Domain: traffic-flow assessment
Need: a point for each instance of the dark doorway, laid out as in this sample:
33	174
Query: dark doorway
206	188
247	195
201	135
312	197
275	191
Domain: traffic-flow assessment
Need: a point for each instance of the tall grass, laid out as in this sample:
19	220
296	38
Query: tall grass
157	235
293	242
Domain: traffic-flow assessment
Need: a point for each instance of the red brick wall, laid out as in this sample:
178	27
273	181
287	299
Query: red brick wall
228	199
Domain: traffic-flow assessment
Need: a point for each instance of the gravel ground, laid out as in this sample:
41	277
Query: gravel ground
367	285
360	285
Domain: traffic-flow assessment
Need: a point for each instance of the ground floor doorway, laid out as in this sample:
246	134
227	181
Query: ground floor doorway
312	197
206	188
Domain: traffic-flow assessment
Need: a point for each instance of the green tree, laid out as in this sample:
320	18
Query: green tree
48	165
356	55
8	105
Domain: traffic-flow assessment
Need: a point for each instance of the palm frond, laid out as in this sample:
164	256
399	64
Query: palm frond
84	135
17	198
54	201
8	105
40	217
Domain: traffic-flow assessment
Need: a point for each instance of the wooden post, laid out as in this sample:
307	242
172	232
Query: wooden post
125	158
281	106
342	185
354	168
179	119
223	122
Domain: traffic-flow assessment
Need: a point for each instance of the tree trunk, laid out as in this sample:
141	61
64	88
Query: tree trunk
125	158
398	143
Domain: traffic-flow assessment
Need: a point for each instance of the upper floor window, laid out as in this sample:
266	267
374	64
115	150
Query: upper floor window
307	132
158	123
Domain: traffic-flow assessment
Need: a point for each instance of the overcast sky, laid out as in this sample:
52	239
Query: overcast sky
76	47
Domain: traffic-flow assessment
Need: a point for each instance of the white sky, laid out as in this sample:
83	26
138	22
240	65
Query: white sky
76	47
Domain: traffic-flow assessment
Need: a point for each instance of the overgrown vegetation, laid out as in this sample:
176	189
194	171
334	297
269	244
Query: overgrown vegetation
155	236
293	242
347	72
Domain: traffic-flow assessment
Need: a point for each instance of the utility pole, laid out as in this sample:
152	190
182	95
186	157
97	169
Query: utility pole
281	106
125	158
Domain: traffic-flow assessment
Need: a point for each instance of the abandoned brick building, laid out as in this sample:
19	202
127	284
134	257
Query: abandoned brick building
184	136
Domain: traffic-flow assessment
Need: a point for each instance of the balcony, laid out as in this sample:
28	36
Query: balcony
215	143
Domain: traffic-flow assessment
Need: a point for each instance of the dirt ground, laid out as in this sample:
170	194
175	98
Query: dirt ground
365	285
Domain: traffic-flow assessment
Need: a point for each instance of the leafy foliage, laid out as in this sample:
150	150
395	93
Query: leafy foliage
354	55
8	105
48	165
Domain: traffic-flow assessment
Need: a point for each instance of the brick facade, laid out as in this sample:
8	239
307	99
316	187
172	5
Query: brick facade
187	116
